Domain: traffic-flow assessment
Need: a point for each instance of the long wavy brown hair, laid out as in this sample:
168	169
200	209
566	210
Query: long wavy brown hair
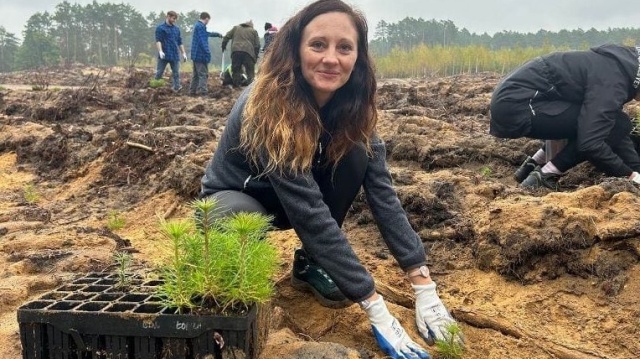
282	124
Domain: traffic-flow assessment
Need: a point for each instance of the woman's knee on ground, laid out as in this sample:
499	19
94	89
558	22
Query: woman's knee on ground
231	202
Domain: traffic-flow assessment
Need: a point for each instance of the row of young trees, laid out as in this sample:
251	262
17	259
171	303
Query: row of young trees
117	34
434	61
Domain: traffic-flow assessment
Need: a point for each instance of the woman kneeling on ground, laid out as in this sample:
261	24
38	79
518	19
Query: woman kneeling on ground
299	144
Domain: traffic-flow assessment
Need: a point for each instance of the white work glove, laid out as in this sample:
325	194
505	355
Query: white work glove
184	56
389	334
635	178
432	317
161	54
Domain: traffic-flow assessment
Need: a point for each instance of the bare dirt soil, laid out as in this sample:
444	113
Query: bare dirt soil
529	275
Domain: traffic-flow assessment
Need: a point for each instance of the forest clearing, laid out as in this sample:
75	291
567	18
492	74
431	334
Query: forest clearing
527	274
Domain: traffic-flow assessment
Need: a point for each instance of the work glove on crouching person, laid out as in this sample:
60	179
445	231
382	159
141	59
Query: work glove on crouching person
390	335
432	318
635	178
161	54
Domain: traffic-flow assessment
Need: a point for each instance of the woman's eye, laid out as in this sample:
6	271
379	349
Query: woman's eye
345	48
317	45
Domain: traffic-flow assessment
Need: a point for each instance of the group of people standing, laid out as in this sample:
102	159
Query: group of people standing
301	142
245	50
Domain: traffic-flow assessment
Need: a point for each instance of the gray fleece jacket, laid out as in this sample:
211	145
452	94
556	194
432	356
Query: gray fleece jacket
310	217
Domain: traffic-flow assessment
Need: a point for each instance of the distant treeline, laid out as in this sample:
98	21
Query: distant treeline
425	48
100	34
107	34
408	33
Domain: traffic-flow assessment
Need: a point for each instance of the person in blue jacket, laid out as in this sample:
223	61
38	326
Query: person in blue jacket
574	98
299	144
170	49
201	55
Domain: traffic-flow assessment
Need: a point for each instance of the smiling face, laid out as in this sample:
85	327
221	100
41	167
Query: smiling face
328	53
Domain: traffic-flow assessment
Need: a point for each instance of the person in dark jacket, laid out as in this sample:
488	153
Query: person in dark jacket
270	32
245	48
576	96
201	55
168	42
299	144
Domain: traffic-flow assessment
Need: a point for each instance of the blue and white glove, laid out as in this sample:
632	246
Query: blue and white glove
390	335
432	317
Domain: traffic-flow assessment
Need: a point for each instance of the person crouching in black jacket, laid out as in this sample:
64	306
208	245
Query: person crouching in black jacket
576	96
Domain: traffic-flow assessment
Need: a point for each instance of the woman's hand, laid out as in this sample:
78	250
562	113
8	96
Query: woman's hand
432	318
389	333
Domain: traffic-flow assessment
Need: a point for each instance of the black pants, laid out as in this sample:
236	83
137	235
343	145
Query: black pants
240	59
338	188
565	126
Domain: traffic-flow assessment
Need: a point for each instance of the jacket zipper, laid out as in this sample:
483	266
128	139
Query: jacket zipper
531	103
246	182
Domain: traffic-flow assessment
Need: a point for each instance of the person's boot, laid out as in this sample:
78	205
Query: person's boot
308	276
537	179
525	168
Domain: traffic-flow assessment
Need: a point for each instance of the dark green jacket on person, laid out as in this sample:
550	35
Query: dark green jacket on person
243	38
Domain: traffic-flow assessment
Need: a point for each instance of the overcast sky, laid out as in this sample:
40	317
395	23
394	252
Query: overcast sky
478	16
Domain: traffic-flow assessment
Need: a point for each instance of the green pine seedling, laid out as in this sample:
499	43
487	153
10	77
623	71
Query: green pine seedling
115	220
154	84
485	171
251	262
123	262
219	263
450	347
176	289
30	194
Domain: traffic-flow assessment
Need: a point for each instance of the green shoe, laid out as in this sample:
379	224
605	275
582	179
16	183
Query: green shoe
308	276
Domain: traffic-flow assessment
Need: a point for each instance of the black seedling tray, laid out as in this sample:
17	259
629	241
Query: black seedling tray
92	318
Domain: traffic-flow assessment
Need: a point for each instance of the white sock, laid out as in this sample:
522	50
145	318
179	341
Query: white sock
551	168
540	157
